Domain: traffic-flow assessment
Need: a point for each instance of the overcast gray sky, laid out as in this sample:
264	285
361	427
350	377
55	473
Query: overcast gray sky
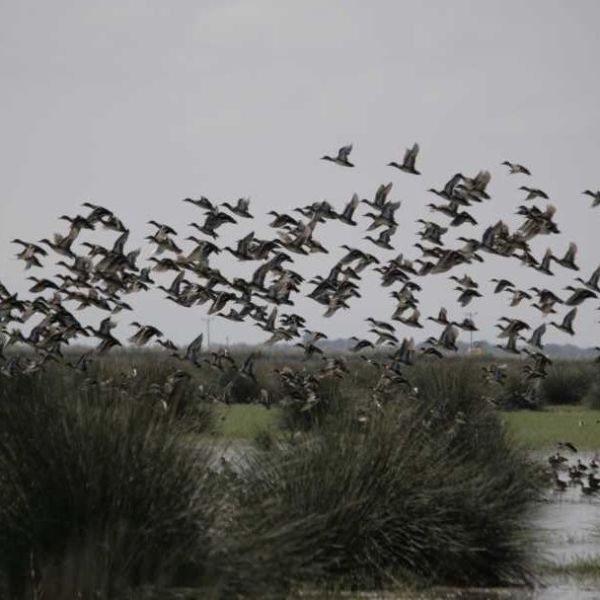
137	104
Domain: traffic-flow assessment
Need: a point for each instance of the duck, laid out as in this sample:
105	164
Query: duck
202	202
501	285
341	158
595	197
442	318
461	218
383	241
536	337
348	212
408	162
568	260
515	168
568	445
467	295
380	324
559	484
360	344
592	282
241	208
144	334
413	319
533	193
579	295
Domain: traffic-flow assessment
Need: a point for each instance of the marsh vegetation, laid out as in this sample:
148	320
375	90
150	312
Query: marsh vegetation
125	477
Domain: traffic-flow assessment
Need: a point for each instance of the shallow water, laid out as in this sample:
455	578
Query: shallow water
569	525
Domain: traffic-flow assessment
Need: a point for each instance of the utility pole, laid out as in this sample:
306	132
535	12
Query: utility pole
207	320
470	315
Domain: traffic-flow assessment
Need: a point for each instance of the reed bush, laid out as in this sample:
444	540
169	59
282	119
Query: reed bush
96	497
591	399
413	492
567	382
518	393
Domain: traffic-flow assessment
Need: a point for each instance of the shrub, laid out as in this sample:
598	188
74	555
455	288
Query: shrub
309	401
567	382
518	393
453	382
407	494
592	396
97	497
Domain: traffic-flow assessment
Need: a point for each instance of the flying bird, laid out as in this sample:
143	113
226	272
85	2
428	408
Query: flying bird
408	162
515	168
342	157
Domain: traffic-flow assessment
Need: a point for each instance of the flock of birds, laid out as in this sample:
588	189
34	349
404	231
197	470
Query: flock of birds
580	473
103	276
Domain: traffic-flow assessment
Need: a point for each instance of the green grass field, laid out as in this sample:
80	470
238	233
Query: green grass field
534	429
543	429
244	421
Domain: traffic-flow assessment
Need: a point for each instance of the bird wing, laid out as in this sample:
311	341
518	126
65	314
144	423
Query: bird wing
193	350
344	151
569	318
410	156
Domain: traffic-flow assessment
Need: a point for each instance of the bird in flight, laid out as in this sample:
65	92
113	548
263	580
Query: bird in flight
408	162
342	156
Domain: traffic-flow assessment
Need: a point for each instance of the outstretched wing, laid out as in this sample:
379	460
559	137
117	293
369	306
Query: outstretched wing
411	156
344	151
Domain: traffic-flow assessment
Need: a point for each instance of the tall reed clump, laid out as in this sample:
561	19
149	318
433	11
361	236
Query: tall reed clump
97	497
427	490
591	398
567	382
146	379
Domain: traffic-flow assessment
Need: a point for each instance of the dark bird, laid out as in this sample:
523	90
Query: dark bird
579	295
461	218
202	202
515	168
383	241
501	285
194	350
567	323
380	196
380	324
214	219
342	156
533	193
518	296
442	318
536	337
467	295
595	197
568	446
281	220
568	260
144	334
408	162
467	324
241	209
360	344
30	253
592	282
511	345
348	212
413	319
465	281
